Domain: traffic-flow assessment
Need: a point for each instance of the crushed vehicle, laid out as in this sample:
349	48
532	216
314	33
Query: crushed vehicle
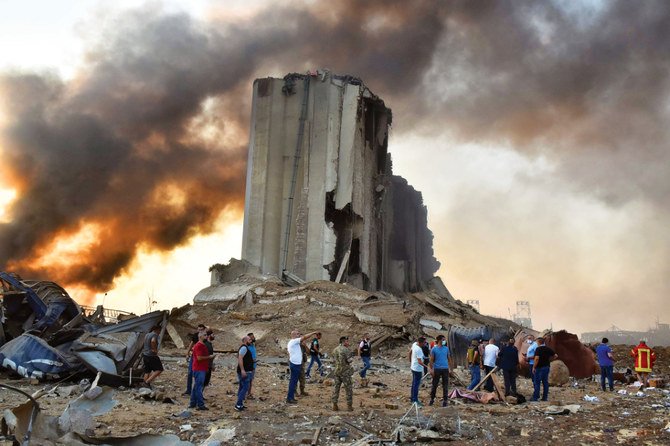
46	335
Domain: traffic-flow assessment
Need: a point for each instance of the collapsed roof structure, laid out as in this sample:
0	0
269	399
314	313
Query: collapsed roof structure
322	202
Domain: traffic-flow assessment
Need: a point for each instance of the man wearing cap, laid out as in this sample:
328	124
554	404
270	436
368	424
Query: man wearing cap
417	363
474	363
295	362
343	372
543	357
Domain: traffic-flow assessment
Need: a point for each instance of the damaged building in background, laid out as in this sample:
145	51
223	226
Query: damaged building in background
322	202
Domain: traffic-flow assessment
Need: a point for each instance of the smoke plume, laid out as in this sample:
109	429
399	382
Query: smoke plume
147	144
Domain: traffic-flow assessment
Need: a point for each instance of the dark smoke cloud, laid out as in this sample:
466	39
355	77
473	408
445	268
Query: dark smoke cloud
585	86
101	147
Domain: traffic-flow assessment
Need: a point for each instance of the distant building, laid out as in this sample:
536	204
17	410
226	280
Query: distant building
322	202
522	315
660	335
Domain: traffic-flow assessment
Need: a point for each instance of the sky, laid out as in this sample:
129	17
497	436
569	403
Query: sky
536	131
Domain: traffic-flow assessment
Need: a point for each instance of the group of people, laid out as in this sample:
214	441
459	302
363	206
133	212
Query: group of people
432	359
342	365
436	364
487	356
643	356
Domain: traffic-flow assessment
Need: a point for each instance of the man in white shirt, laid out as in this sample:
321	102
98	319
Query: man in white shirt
416	365
295	362
490	356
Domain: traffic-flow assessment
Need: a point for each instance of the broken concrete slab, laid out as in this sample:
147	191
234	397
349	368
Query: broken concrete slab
220	436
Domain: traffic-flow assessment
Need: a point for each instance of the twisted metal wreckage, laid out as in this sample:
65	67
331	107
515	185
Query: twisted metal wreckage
46	335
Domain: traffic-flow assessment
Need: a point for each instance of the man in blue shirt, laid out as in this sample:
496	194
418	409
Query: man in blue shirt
252	348
439	369
606	361
530	354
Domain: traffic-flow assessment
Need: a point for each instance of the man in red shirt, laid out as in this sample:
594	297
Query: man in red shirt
201	360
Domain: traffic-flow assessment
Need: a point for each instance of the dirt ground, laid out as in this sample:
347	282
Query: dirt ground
613	419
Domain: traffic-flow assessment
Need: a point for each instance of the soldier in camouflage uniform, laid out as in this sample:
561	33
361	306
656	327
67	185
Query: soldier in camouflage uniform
343	372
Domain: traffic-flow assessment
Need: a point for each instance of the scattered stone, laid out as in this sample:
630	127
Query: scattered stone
220	436
334	420
391	406
559	375
69	390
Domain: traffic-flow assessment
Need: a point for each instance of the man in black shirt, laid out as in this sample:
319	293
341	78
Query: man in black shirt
315	352
245	368
543	357
210	348
509	362
365	351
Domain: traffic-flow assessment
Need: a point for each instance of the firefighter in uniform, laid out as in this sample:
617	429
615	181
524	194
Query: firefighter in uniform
644	361
343	372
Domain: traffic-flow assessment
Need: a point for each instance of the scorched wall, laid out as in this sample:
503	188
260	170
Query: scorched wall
321	200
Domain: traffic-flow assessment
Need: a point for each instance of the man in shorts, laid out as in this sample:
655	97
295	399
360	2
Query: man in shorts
152	363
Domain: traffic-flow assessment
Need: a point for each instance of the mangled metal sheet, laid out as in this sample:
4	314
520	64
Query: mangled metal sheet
50	337
33	357
459	339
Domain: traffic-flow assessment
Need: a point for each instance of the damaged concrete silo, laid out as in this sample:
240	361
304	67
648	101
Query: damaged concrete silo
321	200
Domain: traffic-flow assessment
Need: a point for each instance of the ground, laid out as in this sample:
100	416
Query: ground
613	419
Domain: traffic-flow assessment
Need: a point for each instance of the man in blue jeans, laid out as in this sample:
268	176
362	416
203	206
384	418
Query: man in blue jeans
543	357
417	363
439	369
606	362
474	359
365	352
189	357
295	362
201	363
245	371
314	353
530	354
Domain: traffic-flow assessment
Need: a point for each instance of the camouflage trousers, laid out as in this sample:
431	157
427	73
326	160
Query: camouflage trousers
348	388
301	378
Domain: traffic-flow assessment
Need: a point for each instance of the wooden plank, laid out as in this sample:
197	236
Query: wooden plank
434	303
315	438
484	379
343	266
499	390
174	335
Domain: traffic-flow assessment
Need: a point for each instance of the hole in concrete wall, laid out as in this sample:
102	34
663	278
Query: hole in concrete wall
345	224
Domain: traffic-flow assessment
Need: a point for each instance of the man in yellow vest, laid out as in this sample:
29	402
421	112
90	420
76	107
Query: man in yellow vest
644	361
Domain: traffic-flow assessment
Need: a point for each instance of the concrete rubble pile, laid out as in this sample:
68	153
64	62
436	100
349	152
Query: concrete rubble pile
240	299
